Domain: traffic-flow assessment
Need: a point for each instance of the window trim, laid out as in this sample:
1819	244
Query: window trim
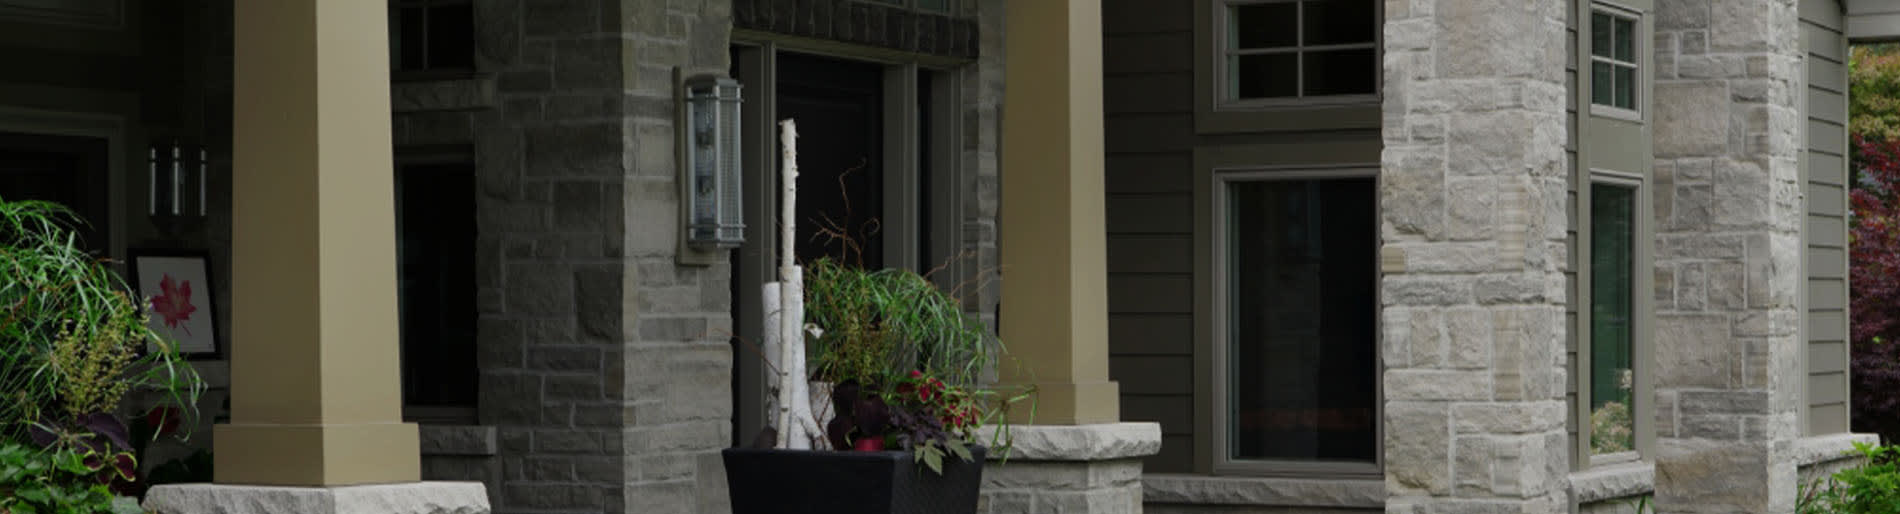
427	72
423	155
1215	348
1643	404
1213	115
1639	72
1225	99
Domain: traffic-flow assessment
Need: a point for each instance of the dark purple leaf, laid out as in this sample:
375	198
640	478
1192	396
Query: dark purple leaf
42	435
838	431
127	466
109	427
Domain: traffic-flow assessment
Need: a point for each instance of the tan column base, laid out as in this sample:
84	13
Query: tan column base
1062	403
316	455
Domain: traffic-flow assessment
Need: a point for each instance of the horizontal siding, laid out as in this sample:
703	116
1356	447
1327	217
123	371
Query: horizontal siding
1151	375
1151	334
1148	94
1825	232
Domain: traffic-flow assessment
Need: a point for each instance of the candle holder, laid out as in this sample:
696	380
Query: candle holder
176	186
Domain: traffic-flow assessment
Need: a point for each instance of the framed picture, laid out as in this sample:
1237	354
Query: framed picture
175	287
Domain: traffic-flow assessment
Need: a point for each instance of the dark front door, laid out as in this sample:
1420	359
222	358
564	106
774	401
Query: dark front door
67	170
838	105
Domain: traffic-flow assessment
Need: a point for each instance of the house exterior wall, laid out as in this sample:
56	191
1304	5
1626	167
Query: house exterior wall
1824	166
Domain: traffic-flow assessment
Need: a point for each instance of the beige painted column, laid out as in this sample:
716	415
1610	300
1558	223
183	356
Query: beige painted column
1054	254
314	378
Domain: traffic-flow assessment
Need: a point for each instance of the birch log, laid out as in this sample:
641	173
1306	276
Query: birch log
797	427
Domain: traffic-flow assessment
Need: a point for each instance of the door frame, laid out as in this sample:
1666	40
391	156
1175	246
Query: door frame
905	224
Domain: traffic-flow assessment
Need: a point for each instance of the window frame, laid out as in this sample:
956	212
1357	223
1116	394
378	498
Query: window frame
427	155
1214	115
1227	99
1642	307
1638	72
1216	347
427	72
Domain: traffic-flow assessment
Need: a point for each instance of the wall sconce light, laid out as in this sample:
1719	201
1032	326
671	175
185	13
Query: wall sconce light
176	176
711	154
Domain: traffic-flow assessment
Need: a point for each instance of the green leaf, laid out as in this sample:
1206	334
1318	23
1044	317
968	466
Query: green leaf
934	459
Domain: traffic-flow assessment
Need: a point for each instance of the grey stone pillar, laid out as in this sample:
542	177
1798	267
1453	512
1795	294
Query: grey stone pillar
1728	199
1472	193
1078	469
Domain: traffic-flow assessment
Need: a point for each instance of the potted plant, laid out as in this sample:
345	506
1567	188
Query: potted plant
73	344
898	370
906	366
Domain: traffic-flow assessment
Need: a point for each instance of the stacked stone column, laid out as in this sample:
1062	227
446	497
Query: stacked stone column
1472	196
1728	254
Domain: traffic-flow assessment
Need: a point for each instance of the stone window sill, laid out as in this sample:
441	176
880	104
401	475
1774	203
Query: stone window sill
1613	481
442	94
1262	491
457	440
1828	448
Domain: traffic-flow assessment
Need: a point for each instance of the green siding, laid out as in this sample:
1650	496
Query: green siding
1825	231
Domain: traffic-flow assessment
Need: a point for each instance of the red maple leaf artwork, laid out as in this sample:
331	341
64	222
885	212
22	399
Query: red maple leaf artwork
174	302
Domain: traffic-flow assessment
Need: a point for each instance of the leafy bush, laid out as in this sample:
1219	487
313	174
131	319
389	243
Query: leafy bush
72	344
1870	488
50	481
1874	257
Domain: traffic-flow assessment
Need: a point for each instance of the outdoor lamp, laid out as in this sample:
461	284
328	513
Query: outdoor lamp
712	163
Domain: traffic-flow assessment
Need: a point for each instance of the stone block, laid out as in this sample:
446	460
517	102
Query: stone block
556	18
1711	477
1506	418
457	440
669	496
1692	351
580	150
1691	118
408	498
1417	447
1487	39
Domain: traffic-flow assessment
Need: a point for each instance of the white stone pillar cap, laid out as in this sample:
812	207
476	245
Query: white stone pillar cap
1077	443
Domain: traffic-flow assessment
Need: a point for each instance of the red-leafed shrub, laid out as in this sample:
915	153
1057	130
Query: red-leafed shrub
1874	276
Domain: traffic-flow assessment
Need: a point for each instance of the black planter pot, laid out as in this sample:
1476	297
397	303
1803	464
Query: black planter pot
832	482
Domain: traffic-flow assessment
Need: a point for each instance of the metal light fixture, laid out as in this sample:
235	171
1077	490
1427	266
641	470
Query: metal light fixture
712	153
171	171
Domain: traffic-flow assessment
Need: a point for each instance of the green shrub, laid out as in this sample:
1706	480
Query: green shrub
1870	488
36	481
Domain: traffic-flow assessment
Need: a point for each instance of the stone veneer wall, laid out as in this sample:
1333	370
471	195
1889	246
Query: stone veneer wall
603	362
1728	201
1472	190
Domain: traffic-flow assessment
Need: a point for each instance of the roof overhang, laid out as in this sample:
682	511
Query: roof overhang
1872	21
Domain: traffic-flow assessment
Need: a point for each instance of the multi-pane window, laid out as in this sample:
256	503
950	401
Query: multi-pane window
1291	49
1613	69
432	35
1612	318
1298	354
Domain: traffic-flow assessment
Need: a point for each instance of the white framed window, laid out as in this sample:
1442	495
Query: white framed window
1296	51
1295	328
1615	75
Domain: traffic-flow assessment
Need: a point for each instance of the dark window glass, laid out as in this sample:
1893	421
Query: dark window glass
1302	342
1612	306
1266	75
1333	22
432	35
1625	36
452	36
1626	87
1600	34
1341	72
436	283
1272	25
67	170
1602	91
